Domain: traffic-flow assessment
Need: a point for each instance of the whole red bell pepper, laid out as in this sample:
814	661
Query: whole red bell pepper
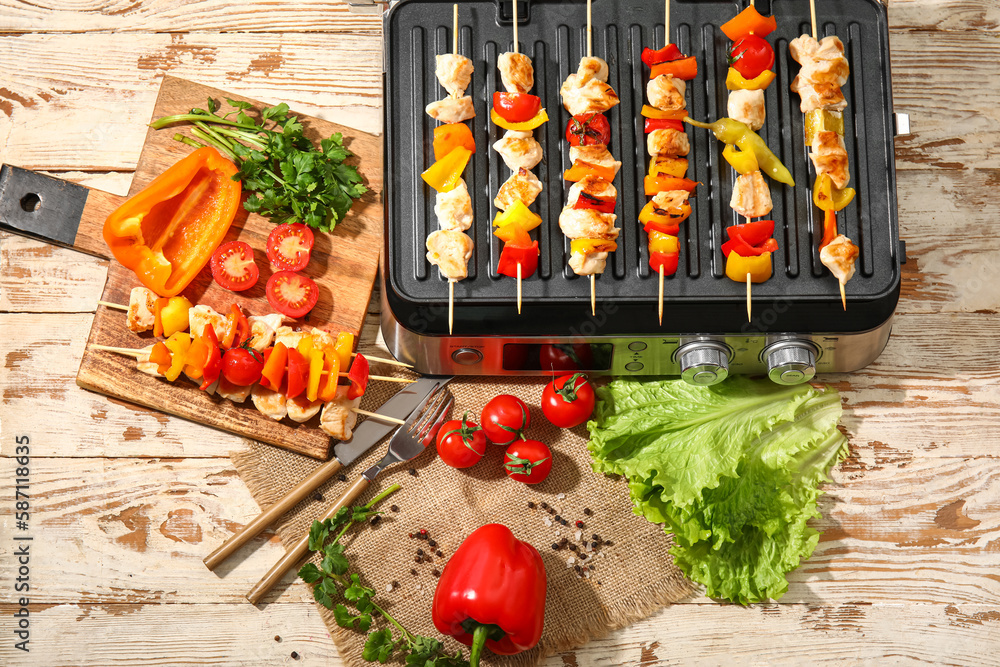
492	592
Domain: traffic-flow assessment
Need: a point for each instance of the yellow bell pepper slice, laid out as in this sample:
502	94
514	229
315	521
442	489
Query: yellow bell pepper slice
822	120
736	81
344	347
444	174
829	198
518	214
315	372
758	267
174	315
665	165
659	242
590	246
744	162
670	114
525	126
178	344
332	367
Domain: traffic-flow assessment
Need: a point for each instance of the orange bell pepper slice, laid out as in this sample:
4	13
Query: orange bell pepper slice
829	230
748	22
443	175
157	317
168	231
672	114
332	367
274	367
160	356
581	170
655	184
683	68
513	233
450	136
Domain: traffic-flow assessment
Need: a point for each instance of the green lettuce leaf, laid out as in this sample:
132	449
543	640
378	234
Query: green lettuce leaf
731	470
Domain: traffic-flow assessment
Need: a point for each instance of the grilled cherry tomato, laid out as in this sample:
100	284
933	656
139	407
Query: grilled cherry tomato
568	401
289	247
242	366
750	56
461	443
528	461
556	358
505	418
516	107
233	266
588	129
291	293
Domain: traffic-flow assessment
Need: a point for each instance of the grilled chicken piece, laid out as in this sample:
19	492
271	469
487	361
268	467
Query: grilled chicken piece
141	315
451	109
143	364
233	392
262	330
519	150
522	186
818	96
201	316
516	72
587	265
301	409
453	72
822	61
670	199
450	251
288	337
454	208
270	403
323	340
338	418
586	223
751	196
747	106
665	92
593	186
586	91
667	142
597	154
839	256
829	156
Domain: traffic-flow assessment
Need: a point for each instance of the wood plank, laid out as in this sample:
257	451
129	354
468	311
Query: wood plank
41	278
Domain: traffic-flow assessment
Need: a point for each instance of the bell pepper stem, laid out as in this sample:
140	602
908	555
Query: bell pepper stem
478	642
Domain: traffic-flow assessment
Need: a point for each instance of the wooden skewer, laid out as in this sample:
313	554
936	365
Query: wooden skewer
454	22
375	415
590	39
661	295
515	26
451	305
748	296
843	296
127	351
593	294
384	378
116	306
812	15
519	288
666	22
391	362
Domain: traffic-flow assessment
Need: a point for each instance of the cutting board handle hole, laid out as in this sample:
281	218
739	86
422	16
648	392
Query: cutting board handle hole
31	202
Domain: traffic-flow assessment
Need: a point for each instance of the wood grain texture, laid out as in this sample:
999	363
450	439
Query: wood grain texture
343	264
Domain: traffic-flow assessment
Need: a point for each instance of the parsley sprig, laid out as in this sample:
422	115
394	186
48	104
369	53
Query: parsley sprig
289	179
332	579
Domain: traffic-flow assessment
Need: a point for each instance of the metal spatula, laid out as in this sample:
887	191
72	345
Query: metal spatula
407	443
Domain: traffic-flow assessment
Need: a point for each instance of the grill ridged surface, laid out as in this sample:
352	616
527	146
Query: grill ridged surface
555	39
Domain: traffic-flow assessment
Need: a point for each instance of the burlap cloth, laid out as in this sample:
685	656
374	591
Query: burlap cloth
633	576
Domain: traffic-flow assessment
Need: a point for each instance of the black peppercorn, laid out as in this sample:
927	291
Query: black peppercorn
579	524
376	519
577	568
318	496
593	545
413	571
563	542
531	505
609	543
435	572
595	537
545	506
552	510
295	656
394	508
583	556
342	477
413	472
277	638
431	543
417	559
558	518
395	584
572	547
586	510
420	552
439	554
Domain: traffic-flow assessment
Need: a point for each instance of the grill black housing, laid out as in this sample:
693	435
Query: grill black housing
801	295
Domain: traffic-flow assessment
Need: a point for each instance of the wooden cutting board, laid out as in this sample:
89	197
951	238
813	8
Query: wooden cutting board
344	264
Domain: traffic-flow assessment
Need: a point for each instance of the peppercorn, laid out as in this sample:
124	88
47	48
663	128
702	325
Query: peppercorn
609	543
376	519
592	569
586	510
277	638
572	547
428	559
545	506
413	472
295	656
531	505
318	496
577	568
593	545
420	552
423	533
563	542
395	584
552	510
595	537
583	556
558	518
395	508
555	546
579	524
417	559
431	543
439	554
435	572
342	477
413	571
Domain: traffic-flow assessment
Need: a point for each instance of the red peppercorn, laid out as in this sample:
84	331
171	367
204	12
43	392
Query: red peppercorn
579	524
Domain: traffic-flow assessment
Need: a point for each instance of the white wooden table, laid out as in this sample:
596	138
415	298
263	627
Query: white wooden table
124	503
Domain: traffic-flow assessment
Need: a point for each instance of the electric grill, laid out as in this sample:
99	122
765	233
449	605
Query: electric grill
798	326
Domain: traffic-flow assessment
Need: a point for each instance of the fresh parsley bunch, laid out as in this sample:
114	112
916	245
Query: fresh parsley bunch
289	179
332	580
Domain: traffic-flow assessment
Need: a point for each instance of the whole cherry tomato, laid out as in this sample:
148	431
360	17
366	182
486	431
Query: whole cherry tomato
461	443
568	401
588	129
561	357
241	366
505	418
750	56
516	107
528	461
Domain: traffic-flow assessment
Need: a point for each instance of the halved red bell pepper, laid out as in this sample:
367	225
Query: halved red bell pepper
213	366
655	184
512	255
168	231
298	373
663	124
754	233
668	260
666	54
682	68
516	107
358	375
492	592
599	204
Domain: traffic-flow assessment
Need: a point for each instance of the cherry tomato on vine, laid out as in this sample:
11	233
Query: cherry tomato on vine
588	129
291	293
233	266
528	461
461	443
289	246
750	56
568	401
241	366
505	418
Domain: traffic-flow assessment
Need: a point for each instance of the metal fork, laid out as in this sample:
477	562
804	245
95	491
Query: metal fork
407	443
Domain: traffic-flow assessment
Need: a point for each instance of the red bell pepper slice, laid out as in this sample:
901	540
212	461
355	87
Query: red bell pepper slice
829	229
298	373
666	54
662	227
492	592
358	375
744	249
516	107
599	204
237	328
682	68
663	124
668	260
512	255
754	233
213	366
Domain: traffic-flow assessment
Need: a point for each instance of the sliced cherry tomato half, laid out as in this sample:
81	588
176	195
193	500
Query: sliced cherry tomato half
233	266
291	293
588	129
750	56
289	247
516	107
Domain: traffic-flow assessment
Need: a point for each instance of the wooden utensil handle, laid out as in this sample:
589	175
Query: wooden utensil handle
295	554
272	513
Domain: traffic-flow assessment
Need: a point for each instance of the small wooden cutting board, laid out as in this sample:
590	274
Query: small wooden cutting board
344	264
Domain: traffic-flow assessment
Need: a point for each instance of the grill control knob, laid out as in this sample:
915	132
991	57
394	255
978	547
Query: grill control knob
791	363
704	363
467	356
